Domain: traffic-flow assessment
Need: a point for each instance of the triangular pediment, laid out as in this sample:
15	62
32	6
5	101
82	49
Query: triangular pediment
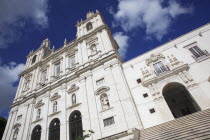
39	103
55	96
102	90
73	88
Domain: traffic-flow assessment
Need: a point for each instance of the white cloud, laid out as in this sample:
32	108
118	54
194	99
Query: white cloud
14	15
9	75
122	41
154	16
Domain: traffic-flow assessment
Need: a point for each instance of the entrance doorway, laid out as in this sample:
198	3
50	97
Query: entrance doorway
179	100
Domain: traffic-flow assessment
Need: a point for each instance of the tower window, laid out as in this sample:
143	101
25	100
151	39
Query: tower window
74	100
89	26
33	59
38	114
57	69
72	62
55	106
100	81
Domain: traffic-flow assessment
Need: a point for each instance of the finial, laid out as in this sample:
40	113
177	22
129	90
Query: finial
77	22
53	48
97	11
65	42
81	20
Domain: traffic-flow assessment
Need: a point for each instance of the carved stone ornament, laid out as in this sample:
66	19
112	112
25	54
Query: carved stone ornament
39	104
16	125
73	88
57	59
55	96
154	58
92	40
102	90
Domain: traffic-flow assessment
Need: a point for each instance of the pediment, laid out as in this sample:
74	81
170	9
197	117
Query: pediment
154	58
73	88
16	125
102	90
55	96
39	104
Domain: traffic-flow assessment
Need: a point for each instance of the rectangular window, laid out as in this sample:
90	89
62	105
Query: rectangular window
57	69
108	121
160	68
72	62
100	81
19	117
44	76
196	51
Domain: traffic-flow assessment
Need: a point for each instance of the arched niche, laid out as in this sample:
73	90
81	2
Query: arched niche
54	129
36	133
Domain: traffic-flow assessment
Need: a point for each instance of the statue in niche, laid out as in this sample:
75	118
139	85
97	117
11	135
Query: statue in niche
105	101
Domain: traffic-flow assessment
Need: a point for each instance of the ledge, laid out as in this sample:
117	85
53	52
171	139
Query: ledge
37	120
106	109
57	112
75	105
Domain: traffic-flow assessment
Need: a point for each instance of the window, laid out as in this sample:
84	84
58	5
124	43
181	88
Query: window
54	130
36	133
57	69
26	84
145	95
196	51
93	49
44	76
160	68
73	99
19	117
15	134
55	106
108	121
72	62
152	110
104	101
89	26
100	81
138	80
38	114
75	125
33	59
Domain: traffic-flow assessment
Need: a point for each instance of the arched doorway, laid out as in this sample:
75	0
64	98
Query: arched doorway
54	130
75	125
179	100
36	133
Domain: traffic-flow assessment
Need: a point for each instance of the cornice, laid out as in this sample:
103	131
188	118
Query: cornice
94	15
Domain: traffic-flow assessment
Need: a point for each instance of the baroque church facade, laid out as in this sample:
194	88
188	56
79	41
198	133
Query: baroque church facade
85	85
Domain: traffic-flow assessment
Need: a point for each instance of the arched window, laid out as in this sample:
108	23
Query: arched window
55	106
179	100
104	101
93	49
34	59
38	114
75	125
89	26
73	98
36	133
15	134
54	130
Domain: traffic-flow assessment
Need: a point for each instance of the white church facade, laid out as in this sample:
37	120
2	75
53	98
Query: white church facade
85	85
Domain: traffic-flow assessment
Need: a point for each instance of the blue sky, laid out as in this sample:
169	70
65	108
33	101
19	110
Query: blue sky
137	25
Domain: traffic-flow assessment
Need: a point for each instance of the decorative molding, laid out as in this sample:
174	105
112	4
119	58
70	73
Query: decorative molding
102	90
75	105
91	40
17	125
55	96
54	113
154	58
73	88
44	67
39	104
37	120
